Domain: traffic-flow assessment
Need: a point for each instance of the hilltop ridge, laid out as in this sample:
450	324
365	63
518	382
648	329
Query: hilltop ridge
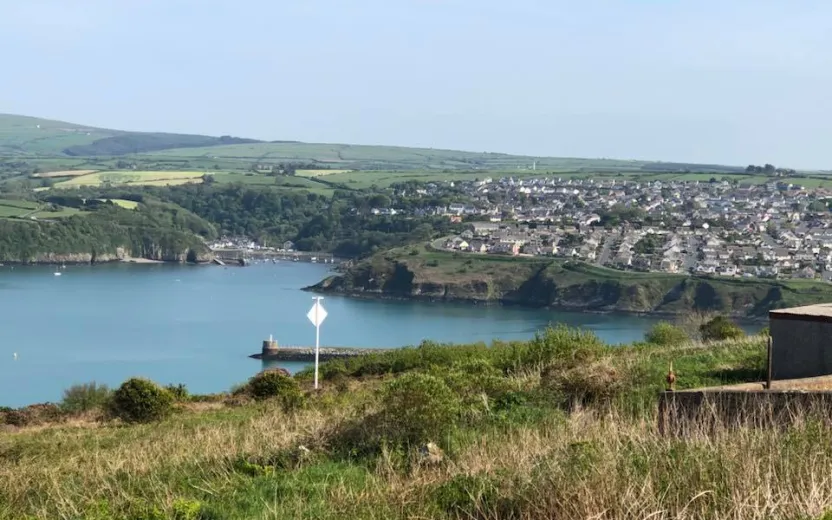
26	136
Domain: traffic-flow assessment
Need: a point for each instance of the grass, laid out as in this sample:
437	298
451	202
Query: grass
281	182
514	455
16	208
126	204
134	178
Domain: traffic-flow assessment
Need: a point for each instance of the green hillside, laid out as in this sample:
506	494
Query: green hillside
31	136
34	138
397	157
421	274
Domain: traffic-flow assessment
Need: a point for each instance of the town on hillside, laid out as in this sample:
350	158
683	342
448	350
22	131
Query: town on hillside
716	227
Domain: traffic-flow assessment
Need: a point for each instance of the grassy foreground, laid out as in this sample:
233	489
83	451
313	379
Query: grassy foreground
558	427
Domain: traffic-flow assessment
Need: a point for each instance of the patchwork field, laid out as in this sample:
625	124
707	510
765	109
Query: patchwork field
16	208
136	178
25	208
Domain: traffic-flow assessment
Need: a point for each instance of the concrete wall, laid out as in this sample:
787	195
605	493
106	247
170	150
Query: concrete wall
800	348
705	412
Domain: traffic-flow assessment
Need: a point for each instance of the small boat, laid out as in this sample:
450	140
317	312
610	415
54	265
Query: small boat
314	259
57	273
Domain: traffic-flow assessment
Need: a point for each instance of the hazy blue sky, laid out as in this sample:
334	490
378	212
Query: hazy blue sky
728	81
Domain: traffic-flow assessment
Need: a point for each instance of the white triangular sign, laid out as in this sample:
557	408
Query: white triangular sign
321	315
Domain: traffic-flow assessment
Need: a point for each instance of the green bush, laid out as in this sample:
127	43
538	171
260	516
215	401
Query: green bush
139	400
720	328
179	392
765	331
417	408
561	345
85	397
666	334
273	384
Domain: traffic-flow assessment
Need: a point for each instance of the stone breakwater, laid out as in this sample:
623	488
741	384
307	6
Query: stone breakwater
308	353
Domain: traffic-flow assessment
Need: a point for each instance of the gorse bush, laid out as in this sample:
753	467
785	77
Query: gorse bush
720	328
664	333
274	384
85	397
417	408
139	400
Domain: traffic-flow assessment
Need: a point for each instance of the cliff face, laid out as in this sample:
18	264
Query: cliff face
563	285
189	256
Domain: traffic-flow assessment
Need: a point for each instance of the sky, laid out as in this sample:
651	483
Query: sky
713	81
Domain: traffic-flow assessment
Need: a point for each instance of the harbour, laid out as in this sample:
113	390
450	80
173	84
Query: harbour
200	325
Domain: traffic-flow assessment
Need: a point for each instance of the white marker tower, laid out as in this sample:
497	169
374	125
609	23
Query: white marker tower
317	315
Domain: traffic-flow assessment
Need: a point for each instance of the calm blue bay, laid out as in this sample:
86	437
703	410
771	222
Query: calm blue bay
197	325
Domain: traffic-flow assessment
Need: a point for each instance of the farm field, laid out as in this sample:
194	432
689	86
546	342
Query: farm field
318	173
126	204
25	208
16	208
392	157
366	179
63	173
255	179
135	178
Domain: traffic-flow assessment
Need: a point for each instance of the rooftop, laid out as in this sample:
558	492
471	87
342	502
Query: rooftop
821	310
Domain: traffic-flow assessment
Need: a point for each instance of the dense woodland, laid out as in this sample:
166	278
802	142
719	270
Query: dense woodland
342	224
154	232
169	222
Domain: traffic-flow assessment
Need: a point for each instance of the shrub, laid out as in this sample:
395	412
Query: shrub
273	384
765	331
560	345
139	400
597	382
85	397
665	334
418	408
720	328
32	415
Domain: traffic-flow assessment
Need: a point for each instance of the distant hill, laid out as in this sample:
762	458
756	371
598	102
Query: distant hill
22	136
130	143
26	136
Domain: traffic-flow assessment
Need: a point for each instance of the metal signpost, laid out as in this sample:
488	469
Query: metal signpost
317	315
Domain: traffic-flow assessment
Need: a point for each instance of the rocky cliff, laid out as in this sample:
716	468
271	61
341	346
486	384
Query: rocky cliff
417	274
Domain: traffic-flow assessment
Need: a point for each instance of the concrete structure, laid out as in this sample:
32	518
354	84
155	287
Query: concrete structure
801	342
270	347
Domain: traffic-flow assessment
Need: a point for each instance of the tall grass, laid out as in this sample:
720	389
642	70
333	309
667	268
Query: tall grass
512	452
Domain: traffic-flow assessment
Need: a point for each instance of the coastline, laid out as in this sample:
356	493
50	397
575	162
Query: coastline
360	295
